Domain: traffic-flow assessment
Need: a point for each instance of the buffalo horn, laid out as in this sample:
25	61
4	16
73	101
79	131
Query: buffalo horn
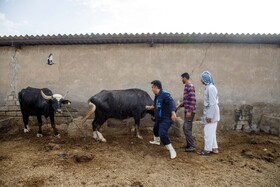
65	94
45	96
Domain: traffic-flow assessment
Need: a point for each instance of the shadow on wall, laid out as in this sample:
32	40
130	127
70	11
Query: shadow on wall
258	117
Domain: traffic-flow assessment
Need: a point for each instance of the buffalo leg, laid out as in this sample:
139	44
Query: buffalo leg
53	125
96	125
137	124
25	123
40	123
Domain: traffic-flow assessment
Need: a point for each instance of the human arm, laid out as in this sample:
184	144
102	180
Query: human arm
151	107
171	105
189	101
212	102
179	106
173	116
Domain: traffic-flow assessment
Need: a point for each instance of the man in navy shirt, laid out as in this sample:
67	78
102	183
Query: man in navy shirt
164	107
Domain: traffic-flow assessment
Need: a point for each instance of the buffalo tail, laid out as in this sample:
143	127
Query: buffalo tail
91	109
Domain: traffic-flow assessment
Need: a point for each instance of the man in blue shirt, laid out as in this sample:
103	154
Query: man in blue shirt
164	107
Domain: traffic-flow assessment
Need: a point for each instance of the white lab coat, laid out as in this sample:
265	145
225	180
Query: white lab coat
211	110
211	101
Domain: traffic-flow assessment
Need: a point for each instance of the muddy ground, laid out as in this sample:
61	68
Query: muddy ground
245	159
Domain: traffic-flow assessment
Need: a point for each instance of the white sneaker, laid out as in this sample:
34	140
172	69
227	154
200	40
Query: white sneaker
156	141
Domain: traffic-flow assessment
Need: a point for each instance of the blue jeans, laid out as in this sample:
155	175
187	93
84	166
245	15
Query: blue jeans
161	130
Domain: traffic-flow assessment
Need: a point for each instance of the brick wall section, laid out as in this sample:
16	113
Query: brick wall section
11	107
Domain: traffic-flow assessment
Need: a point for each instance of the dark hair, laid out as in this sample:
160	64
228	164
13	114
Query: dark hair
186	75
157	83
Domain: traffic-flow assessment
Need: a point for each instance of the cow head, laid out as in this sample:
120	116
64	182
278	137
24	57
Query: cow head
57	100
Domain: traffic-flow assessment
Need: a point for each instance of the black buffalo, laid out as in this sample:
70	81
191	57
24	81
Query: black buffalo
119	104
38	102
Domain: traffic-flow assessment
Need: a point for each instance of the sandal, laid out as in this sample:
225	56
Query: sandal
215	151
203	152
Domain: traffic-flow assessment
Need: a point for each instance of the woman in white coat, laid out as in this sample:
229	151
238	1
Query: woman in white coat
211	114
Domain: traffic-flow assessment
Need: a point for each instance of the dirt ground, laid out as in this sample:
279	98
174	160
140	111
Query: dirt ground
245	159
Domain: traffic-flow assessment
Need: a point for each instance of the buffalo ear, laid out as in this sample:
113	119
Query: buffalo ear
65	102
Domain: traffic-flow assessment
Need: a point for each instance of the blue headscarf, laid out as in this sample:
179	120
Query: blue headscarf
206	78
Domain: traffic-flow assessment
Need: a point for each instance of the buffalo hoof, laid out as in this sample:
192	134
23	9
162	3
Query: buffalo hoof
132	129
98	136
58	136
39	135
100	139
140	137
103	140
95	136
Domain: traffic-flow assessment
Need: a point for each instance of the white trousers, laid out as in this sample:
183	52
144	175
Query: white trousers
210	141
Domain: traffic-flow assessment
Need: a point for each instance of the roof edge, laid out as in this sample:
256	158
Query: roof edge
138	38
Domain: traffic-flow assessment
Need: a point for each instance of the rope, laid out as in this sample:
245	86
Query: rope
83	135
173	126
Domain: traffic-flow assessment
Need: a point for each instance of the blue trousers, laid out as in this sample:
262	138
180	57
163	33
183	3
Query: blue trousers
161	130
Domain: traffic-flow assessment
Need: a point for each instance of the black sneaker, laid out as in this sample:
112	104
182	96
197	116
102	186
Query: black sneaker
190	149
184	147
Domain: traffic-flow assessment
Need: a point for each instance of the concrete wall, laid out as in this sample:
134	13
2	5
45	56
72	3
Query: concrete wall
243	73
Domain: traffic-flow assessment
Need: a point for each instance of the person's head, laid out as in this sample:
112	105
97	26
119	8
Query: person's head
156	86
206	78
185	77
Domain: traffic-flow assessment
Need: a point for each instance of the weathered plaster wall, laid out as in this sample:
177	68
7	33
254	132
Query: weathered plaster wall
243	73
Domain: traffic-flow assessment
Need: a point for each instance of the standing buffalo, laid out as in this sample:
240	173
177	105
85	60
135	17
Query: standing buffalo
38	102
119	104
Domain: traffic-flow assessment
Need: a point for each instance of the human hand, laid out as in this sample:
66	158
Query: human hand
208	120
149	107
173	116
188	115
